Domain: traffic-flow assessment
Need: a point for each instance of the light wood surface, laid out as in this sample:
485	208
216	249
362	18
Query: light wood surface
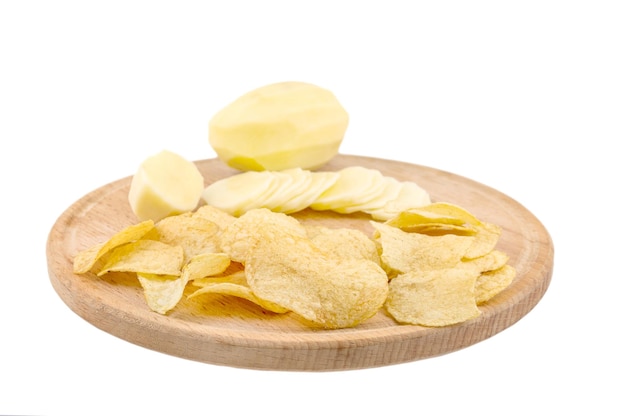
228	331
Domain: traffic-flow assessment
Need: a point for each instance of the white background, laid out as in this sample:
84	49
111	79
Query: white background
527	97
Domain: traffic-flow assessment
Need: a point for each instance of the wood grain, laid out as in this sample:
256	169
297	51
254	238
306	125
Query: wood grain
229	331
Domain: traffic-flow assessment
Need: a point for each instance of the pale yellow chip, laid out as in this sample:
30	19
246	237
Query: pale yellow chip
415	216
453	211
403	252
215	215
485	240
85	260
324	290
206	264
234	285
433	298
343	243
195	234
145	256
492	282
493	260
162	292
256	227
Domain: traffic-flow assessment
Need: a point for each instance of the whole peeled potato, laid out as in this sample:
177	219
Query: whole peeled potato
279	126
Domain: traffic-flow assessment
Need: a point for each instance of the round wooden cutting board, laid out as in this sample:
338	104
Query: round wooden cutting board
229	331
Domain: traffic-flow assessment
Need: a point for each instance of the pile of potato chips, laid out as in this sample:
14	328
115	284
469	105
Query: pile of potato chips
430	266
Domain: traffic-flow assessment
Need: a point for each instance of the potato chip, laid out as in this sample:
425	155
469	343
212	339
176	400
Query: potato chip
215	215
257	225
195	234
493	260
433	298
163	293
234	285
492	282
452	211
324	290
485	240
85	260
403	252
343	243
145	256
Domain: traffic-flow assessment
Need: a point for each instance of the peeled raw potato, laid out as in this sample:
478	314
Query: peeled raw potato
279	126
165	184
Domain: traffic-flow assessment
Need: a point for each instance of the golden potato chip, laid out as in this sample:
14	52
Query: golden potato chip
215	215
145	256
195	234
415	216
324	290
162	292
206	264
403	252
86	259
234	285
493	260
492	282
257	225
433	298
452	211
343	243
485	240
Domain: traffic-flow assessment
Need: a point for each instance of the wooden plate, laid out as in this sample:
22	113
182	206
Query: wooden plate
229	331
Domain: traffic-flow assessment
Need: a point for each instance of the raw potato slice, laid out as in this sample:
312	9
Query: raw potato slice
355	184
165	184
287	184
389	191
320	182
411	195
237	194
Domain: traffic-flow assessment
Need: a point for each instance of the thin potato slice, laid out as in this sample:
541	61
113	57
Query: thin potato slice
319	182
355	183
411	195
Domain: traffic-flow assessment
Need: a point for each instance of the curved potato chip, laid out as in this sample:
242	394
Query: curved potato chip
492	282
86	259
162	293
493	260
215	215
433	298
322	289
145	256
257	225
344	243
194	234
234	285
403	252
485	240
